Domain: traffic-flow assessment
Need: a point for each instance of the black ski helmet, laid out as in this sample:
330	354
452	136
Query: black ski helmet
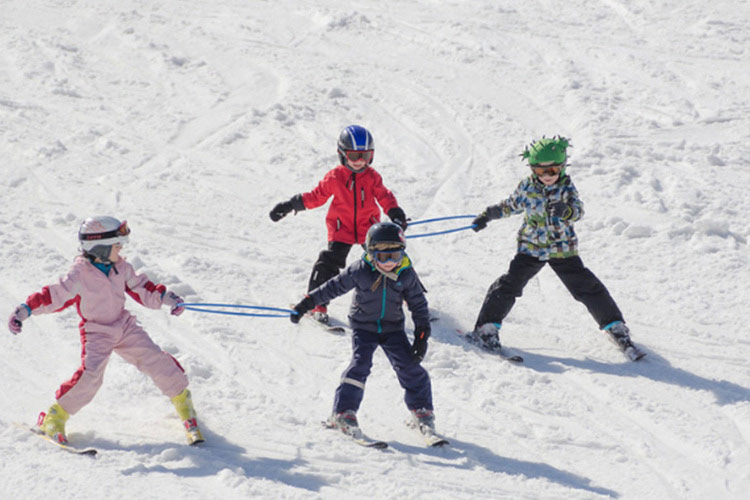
355	138
384	236
98	234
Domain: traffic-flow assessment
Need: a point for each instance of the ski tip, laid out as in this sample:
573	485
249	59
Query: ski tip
636	356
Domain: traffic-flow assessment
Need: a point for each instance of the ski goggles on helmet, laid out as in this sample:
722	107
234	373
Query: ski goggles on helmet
385	256
113	237
353	155
550	170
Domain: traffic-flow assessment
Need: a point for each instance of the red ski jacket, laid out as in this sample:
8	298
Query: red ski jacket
353	209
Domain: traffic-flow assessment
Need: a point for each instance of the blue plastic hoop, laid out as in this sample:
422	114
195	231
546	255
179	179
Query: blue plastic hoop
438	219
209	308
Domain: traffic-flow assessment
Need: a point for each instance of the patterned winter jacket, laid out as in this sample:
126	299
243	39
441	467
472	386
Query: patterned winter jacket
541	235
353	209
377	302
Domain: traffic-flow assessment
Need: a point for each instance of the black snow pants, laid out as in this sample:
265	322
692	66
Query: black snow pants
579	280
329	264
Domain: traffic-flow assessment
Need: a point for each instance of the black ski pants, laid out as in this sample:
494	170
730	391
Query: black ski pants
329	264
579	280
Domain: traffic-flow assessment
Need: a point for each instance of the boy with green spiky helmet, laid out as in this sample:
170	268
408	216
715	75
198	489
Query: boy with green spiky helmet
551	206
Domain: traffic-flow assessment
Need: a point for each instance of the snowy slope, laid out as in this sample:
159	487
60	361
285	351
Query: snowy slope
192	119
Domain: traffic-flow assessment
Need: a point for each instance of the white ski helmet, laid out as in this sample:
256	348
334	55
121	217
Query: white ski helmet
98	234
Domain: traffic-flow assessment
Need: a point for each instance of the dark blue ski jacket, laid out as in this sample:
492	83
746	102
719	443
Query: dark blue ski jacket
377	303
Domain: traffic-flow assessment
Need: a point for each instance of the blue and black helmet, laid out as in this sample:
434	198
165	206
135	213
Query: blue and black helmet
357	141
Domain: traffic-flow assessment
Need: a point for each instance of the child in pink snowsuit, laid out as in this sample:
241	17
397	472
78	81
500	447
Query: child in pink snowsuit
96	285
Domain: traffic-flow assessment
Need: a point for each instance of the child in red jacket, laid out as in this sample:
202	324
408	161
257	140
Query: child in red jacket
355	187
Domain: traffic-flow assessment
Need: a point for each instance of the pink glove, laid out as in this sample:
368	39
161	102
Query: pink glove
171	299
15	322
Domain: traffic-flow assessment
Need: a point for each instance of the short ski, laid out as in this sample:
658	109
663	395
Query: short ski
326	326
502	353
66	447
359	437
330	328
428	434
633	352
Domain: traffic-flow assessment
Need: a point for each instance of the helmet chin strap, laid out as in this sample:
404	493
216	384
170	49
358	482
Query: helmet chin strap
101	252
346	164
388	274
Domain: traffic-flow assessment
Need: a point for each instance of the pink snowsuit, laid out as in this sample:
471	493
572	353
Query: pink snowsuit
107	326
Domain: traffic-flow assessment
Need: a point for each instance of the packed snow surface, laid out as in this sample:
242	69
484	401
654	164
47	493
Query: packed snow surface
191	119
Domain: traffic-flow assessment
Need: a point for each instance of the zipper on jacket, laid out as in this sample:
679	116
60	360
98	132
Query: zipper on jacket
354	195
382	305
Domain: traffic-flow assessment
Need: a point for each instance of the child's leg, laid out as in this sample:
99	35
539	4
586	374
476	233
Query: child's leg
503	292
411	375
137	348
586	288
352	387
329	263
86	381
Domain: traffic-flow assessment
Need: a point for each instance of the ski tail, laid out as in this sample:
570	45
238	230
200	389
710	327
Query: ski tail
357	436
67	447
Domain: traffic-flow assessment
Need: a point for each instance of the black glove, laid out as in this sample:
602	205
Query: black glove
398	216
480	222
301	309
281	210
419	347
561	210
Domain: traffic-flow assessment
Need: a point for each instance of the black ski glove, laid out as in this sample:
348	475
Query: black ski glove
398	216
480	222
301	309
561	210
282	209
419	347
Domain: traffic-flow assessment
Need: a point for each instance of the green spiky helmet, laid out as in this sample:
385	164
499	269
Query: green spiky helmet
544	152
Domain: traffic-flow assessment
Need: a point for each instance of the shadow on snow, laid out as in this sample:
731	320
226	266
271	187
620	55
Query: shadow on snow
210	458
473	456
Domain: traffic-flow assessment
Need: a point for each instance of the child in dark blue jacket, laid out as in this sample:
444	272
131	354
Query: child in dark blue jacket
383	279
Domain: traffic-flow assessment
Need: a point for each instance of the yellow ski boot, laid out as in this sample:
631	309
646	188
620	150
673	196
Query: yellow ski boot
52	423
183	403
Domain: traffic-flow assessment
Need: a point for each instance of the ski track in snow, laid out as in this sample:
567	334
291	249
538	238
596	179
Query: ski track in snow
191	120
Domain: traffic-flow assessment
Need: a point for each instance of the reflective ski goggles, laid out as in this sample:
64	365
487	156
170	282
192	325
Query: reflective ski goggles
366	155
385	256
551	170
122	230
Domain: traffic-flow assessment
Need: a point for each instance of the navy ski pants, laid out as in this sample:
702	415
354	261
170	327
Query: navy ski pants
411	375
580	282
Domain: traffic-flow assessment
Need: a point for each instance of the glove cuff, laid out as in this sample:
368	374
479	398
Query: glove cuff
493	212
423	329
170	299
297	204
22	312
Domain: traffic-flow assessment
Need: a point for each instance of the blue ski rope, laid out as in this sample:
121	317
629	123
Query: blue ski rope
278	312
439	219
211	308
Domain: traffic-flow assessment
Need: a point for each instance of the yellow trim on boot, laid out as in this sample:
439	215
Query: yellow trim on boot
183	403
